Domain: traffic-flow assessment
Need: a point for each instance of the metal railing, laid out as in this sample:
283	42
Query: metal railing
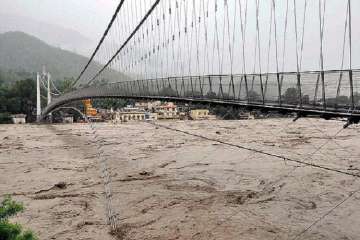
328	91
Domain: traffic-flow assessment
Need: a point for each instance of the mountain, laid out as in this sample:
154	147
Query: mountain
52	34
24	53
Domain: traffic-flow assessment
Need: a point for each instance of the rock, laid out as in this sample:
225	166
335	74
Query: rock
61	185
144	173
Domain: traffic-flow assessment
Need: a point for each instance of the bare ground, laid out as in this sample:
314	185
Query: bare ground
169	185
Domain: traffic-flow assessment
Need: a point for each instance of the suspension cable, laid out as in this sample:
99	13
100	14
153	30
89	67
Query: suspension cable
343	52
101	40
350	34
258	36
217	36
296	39
269	49
285	33
127	40
303	34
276	38
243	32
322	22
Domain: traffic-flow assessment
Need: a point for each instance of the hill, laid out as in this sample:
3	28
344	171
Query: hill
21	52
52	34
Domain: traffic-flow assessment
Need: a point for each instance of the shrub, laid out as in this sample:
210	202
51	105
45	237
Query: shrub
10	231
5	118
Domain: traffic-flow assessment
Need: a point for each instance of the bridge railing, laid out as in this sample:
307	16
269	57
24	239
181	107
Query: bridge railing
330	90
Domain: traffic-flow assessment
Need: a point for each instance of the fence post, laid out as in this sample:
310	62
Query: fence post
323	89
247	88
279	88
201	88
176	87
262	89
157	85
351	90
298	76
221	89
233	87
210	85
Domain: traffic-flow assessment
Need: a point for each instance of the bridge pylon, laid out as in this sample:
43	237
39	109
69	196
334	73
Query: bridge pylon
41	78
38	98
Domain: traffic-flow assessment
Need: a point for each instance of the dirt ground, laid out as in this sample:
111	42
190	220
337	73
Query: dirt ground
170	185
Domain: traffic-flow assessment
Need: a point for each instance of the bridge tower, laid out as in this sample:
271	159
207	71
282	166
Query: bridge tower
38	98
42	77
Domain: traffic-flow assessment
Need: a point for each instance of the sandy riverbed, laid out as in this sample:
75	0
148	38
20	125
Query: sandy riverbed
168	185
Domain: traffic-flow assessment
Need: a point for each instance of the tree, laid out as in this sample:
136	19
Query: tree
253	96
10	231
19	97
111	103
66	85
168	92
22	97
211	95
291	96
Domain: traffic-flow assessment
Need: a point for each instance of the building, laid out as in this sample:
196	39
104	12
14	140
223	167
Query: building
167	111
149	116
201	114
127	116
68	119
18	118
246	116
147	106
88	108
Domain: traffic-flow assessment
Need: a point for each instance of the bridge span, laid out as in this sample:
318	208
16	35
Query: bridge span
324	94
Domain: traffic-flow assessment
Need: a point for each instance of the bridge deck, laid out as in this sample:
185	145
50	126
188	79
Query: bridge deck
327	94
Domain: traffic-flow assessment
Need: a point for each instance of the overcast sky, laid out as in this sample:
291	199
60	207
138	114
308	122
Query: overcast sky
88	17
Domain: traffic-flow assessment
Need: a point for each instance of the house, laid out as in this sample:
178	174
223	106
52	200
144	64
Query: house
246	116
127	116
68	119
149	116
147	106
167	111
201	114
19	118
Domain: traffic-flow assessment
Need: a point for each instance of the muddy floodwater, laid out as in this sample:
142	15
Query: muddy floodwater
202	182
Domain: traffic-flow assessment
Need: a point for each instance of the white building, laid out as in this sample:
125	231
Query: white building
127	116
19	118
149	116
68	119
167	111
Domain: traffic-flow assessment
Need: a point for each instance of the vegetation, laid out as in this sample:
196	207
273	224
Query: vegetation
253	96
168	91
111	103
19	97
10	231
22	52
65	85
291	96
11	76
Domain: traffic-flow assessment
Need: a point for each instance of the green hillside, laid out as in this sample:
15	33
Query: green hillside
20	52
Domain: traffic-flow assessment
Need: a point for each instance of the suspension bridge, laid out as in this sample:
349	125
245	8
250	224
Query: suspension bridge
284	56
216	52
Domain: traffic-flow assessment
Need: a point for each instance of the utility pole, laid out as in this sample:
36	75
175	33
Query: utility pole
38	101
